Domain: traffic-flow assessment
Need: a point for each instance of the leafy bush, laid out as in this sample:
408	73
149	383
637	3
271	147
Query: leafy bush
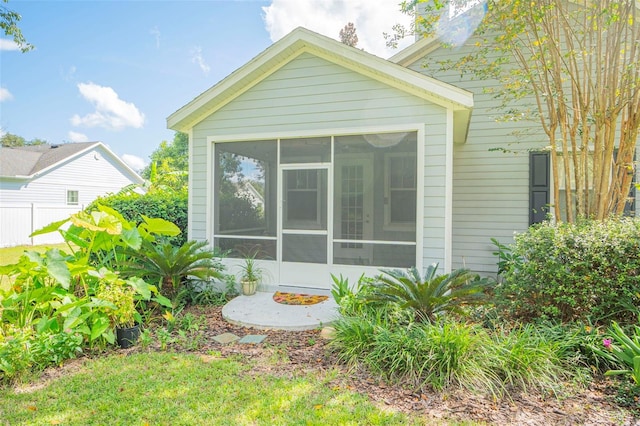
60	303
430	295
588	272
168	205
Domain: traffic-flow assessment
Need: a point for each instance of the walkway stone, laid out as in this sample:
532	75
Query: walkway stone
253	339
226	338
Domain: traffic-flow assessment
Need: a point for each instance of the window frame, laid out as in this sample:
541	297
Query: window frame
70	201
389	224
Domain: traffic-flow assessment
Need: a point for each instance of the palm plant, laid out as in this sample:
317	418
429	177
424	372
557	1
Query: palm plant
430	295
169	265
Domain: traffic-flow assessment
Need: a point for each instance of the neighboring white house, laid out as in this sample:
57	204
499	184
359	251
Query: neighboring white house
366	163
40	184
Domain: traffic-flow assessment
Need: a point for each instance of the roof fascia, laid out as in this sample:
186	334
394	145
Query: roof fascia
416	51
100	145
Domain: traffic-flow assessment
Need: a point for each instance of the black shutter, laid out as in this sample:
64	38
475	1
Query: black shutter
539	188
630	206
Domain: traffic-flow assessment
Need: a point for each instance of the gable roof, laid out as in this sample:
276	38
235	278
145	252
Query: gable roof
301	41
29	161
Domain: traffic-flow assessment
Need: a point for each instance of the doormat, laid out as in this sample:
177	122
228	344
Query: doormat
298	298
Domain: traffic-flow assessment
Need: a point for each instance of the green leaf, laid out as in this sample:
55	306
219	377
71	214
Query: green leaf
109	336
100	325
160	226
52	227
57	268
141	287
162	301
132	238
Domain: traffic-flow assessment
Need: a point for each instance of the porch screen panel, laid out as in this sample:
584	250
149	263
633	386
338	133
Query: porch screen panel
375	198
305	150
304	248
240	247
245	194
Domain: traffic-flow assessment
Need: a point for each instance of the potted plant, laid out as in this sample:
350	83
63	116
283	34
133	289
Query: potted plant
122	311
251	275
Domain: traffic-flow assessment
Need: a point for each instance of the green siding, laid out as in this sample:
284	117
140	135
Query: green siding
310	94
490	188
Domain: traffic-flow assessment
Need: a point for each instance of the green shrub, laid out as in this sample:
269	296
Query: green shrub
167	205
588	272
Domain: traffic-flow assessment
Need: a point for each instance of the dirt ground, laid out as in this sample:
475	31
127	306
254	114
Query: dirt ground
306	351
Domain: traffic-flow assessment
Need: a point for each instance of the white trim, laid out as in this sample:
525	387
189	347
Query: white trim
416	51
379	242
244	237
209	184
448	198
190	186
305	232
341	131
421	142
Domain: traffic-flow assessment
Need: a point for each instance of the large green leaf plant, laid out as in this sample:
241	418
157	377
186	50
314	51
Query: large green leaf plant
69	293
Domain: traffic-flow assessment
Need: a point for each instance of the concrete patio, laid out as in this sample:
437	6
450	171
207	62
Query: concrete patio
260	311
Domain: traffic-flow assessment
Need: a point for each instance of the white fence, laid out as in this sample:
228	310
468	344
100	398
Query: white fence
18	221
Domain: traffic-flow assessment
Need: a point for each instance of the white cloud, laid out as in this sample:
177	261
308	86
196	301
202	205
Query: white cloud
68	74
196	58
2	132
77	137
5	95
6	44
135	162
111	112
156	33
371	18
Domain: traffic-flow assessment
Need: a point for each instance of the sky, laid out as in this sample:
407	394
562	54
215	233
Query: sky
113	71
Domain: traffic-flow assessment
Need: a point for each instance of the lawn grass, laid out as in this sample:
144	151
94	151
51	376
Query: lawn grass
186	389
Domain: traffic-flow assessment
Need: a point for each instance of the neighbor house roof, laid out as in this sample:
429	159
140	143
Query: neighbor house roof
301	41
26	162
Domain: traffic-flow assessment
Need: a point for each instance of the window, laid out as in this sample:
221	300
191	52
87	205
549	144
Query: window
305	199
72	198
400	190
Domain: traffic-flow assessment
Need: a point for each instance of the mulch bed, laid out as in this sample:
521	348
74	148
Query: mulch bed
306	351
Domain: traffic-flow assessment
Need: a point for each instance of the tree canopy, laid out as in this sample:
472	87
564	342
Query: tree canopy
348	35
9	23
579	63
11	140
169	167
